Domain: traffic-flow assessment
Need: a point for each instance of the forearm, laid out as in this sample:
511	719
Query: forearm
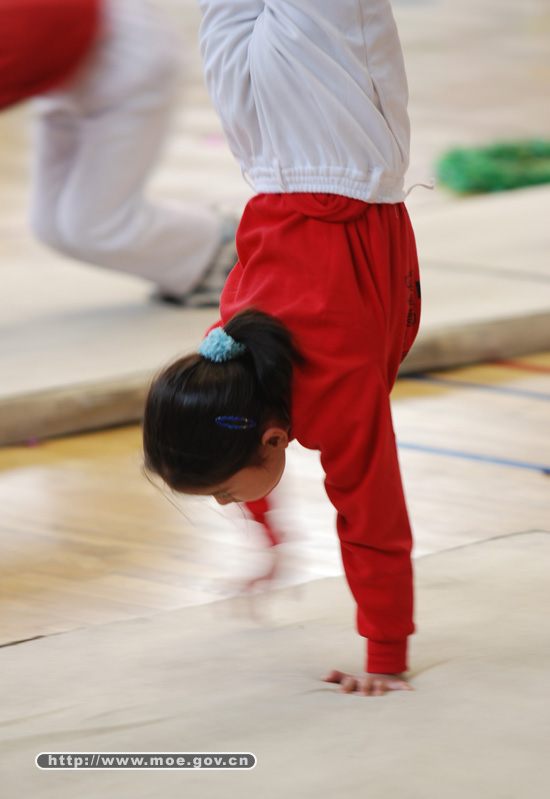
375	540
364	484
259	510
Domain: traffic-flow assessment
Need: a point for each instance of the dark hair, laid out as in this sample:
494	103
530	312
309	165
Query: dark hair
182	442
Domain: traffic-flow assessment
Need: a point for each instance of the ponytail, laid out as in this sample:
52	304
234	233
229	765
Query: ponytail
184	441
271	355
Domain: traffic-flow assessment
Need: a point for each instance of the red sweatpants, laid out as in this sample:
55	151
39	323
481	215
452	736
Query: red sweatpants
342	275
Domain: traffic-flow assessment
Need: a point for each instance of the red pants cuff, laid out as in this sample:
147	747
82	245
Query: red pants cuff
386	657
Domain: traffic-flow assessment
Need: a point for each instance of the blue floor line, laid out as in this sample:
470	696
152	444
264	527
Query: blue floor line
472	456
516	392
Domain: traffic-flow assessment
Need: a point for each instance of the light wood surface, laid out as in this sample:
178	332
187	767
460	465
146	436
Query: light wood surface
86	538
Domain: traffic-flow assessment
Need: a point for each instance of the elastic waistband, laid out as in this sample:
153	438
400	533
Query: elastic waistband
318	205
375	186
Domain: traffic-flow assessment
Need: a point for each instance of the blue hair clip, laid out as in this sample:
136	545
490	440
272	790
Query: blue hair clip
235	422
218	346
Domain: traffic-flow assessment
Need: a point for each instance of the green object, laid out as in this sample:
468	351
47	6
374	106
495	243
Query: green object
496	167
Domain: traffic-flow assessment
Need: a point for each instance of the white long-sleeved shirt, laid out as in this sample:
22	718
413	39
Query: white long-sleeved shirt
312	94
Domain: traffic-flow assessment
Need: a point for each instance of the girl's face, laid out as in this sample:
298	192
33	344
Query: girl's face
254	482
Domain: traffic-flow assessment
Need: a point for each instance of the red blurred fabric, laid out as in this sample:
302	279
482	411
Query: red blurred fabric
42	42
259	510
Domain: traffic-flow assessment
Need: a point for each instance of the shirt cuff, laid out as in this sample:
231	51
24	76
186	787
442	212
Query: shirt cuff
386	657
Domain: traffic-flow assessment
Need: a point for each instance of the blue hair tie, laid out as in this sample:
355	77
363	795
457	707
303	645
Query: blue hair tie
218	346
235	422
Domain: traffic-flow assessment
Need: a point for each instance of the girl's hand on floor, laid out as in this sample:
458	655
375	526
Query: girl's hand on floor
270	573
367	684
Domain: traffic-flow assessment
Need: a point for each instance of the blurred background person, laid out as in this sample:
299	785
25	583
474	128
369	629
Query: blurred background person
105	74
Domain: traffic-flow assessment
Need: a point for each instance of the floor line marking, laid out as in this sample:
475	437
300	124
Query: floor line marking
516	392
524	367
473	456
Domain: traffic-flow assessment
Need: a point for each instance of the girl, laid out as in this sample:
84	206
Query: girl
312	95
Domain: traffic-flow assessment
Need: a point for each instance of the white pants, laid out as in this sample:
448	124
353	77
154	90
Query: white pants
97	140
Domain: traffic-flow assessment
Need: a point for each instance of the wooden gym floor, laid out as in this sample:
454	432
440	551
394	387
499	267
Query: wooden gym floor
87	539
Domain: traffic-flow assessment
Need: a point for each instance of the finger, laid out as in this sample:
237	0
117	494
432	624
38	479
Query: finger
399	685
394	682
379	687
334	676
365	686
348	684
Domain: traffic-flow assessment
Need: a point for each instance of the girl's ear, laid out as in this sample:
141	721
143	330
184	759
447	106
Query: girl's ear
276	437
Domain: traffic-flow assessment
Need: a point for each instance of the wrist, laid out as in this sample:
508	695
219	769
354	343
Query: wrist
386	657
